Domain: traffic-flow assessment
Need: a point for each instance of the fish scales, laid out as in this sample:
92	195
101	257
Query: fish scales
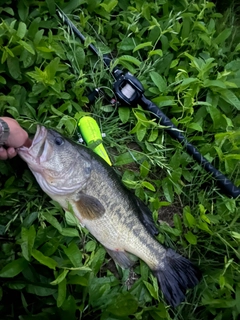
124	231
117	229
74	176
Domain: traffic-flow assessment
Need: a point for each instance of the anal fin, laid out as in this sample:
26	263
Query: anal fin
123	258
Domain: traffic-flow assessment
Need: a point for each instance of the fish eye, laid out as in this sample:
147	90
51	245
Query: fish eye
59	141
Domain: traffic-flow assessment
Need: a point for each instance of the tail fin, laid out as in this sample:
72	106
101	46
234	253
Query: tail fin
175	276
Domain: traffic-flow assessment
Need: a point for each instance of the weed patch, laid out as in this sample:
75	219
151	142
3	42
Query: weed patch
186	55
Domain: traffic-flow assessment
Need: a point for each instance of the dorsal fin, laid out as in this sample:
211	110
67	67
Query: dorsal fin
145	216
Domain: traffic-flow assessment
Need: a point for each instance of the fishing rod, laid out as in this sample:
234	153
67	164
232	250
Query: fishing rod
129	91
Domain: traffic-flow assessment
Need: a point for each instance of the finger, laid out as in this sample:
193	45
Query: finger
11	152
3	154
28	143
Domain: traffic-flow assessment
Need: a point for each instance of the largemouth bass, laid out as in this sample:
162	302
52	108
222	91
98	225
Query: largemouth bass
73	175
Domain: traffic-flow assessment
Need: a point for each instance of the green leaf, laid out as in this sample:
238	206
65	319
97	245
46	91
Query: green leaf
51	6
168	189
90	246
128	157
191	221
224	35
214	83
79	55
75	279
143	45
70	232
235	235
21	31
126	44
40	290
148	185
9	10
151	290
27	46
62	291
231	98
52	220
170	230
203	226
52	68
60	277
238	297
222	281
50	247
123	305
38	37
23	10
71	219
191	238
186	27
156	52
124	114
109	5
174	63
45	49
232	156
2	80
141	132
153	136
14	68
128	59
140	291
159	81
205	38
28	59
144	271
40	257
16	286
28	237
177	222
98	260
74	254
145	168
215	114
195	126
185	83
219	303
13	268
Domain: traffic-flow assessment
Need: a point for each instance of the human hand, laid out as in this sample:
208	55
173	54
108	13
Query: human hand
17	138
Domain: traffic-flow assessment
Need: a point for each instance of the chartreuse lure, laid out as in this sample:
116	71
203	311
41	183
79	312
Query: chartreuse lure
91	134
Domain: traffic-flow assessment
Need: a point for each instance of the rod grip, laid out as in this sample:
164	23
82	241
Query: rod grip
224	183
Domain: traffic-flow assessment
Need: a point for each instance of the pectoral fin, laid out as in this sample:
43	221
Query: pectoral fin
123	258
89	207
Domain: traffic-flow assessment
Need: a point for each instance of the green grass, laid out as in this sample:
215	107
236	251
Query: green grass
186	54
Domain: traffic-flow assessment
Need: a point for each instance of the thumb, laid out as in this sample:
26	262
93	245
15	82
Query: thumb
28	143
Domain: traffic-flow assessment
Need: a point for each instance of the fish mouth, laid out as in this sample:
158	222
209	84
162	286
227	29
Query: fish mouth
36	152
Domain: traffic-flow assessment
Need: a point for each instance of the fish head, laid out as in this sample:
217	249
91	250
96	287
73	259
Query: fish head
60	167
